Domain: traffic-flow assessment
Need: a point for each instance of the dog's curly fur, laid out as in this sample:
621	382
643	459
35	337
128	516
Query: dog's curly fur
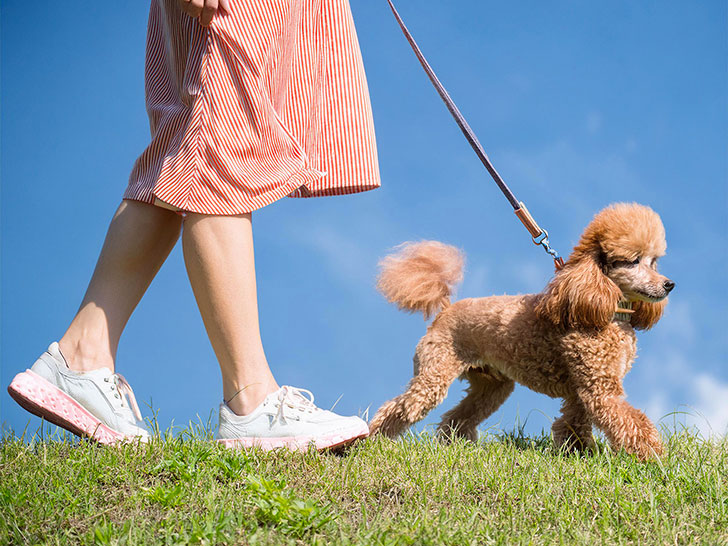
564	342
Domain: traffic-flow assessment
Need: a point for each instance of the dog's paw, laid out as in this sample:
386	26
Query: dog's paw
573	438
647	444
451	432
388	421
570	443
652	447
650	443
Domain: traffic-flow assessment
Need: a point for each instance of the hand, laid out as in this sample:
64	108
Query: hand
203	9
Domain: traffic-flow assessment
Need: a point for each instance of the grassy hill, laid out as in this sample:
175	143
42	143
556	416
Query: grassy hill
506	490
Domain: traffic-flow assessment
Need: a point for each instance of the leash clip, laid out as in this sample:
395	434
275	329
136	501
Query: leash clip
539	239
539	235
543	240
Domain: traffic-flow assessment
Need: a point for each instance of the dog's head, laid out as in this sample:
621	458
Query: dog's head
616	258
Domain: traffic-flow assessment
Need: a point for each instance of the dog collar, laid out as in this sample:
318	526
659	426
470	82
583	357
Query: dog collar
624	311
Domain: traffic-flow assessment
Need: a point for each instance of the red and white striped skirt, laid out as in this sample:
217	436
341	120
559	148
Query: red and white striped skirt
269	101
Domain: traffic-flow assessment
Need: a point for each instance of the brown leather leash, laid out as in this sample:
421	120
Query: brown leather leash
538	235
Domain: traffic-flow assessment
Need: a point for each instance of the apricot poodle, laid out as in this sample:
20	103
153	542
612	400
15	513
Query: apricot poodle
575	341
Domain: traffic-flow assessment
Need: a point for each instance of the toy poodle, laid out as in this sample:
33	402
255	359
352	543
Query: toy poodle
576	340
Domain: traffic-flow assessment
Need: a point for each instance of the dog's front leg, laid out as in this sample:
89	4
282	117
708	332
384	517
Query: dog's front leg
625	426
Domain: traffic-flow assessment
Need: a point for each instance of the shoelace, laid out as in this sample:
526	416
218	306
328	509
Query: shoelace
122	385
296	399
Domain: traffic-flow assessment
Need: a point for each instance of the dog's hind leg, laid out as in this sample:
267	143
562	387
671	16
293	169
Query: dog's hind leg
438	368
573	430
486	394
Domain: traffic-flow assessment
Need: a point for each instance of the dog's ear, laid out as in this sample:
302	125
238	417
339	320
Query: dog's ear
580	295
647	314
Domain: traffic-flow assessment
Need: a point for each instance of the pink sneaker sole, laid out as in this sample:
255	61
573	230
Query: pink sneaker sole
43	399
297	443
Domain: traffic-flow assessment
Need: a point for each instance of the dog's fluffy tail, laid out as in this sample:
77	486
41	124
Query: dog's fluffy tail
420	277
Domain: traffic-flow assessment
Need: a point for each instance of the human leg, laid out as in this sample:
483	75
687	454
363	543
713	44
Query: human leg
256	411
220	263
72	384
139	239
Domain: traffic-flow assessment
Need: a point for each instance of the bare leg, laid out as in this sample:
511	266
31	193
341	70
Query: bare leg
220	263
438	368
139	239
573	430
485	395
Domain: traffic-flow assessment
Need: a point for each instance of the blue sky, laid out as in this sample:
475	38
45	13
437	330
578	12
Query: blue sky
578	104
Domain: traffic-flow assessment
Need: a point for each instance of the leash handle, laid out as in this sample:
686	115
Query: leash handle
540	236
459	118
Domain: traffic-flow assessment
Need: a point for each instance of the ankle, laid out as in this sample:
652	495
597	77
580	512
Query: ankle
85	357
244	400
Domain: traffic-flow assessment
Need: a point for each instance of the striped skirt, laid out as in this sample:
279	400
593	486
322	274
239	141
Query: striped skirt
269	101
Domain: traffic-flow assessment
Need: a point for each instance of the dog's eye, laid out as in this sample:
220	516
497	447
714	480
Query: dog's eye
625	263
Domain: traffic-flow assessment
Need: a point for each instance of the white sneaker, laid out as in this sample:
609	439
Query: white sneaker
288	418
92	404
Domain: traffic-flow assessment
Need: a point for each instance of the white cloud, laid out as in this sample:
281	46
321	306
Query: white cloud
705	406
682	392
713	396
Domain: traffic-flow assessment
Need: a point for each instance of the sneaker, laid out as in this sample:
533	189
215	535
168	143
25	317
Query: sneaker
288	418
92	404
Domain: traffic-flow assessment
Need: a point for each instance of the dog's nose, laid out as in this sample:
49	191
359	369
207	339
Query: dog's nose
669	285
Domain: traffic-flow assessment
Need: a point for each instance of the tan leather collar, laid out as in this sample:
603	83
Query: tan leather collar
624	311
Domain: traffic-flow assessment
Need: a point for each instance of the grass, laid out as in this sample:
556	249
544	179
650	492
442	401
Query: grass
507	489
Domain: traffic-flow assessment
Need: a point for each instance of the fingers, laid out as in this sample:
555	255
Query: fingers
208	11
193	8
203	9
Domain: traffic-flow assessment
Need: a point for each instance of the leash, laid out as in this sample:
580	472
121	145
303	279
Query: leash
539	236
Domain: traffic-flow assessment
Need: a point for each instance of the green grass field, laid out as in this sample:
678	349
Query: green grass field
506	490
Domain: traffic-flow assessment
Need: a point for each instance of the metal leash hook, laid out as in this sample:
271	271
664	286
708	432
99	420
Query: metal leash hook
538	235
543	240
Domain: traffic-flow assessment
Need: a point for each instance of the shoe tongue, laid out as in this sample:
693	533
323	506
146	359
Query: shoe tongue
295	397
100	373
